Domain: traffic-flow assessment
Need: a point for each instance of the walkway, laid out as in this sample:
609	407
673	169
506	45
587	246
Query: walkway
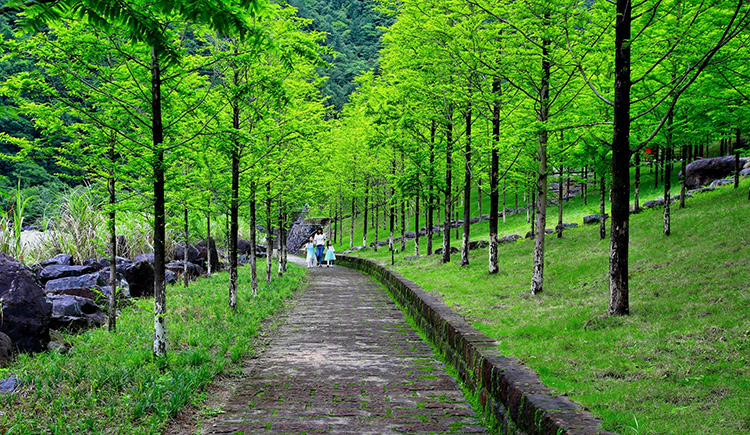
346	362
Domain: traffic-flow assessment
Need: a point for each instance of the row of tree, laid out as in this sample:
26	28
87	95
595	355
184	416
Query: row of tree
183	107
500	95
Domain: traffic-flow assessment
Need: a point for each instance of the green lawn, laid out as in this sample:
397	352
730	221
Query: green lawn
680	363
110	383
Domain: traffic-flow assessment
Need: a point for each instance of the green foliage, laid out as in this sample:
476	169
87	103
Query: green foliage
111	381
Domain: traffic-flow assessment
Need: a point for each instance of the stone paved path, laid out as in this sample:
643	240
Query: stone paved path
346	362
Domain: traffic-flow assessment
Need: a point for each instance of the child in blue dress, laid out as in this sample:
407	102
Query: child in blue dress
329	253
310	246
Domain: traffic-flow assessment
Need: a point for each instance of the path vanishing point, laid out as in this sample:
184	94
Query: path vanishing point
346	362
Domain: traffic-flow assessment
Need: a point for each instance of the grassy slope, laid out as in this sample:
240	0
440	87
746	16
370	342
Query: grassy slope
678	364
110	383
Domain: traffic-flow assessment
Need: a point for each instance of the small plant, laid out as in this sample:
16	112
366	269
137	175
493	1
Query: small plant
11	225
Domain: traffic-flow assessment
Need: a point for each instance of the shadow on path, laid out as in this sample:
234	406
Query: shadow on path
346	362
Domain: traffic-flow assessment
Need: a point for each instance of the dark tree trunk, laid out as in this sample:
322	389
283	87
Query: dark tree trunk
377	222
602	207
685	153
403	208
620	232
253	242
636	205
234	207
657	156
282	237
560	203
416	225
392	204
537	277
160	294
208	237
185	279
467	190
351	227
269	232
494	175
586	185
431	191
667	191
737	169
533	213
446	257
112	317
364	225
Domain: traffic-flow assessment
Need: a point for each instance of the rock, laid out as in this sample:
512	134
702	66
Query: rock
478	244
510	238
412	257
192	253
745	172
704	171
654	203
357	248
93	263
474	220
379	243
87	281
208	253
9	385
484	217
75	313
722	182
144	257
546	231
568	225
6	350
178	267
26	313
454	250
701	189
344	252
170	277
593	219
58	343
410	235
57	271
104	262
61	259
140	278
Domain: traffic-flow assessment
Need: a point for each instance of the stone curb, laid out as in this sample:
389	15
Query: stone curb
509	392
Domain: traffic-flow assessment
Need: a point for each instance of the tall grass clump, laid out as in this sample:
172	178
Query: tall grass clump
111	383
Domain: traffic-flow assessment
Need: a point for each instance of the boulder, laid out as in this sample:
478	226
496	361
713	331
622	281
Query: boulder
701	189
170	277
178	267
745	172
93	263
508	239
478	244
454	250
140	278
6	350
412	257
593	219
208	253
57	271
653	203
104	262
410	235
243	247
546	231
61	259
58	343
9	385
722	182
475	220
26	313
484	217
379	243
357	248
568	225
702	172
192	253
144	257
87	281
75	313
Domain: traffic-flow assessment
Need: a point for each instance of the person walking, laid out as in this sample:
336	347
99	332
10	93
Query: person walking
330	256
310	246
320	243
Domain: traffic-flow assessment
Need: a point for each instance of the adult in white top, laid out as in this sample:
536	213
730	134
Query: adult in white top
320	242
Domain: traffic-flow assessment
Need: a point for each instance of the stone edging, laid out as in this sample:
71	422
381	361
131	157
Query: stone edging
509	392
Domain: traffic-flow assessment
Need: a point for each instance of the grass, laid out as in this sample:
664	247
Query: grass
680	363
111	383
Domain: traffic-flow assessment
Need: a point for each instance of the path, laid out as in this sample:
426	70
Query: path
346	362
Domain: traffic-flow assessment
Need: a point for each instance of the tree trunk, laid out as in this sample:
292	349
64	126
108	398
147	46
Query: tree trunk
364	225
392	206
620	232
112	317
446	257
560	203
636	203
403	211
737	169
537	277
269	232
685	156
494	175
234	207
351	227
479	195
667	190
416	226
431	191
504	202
208	237
586	185
185	279
602	207
377	222
533	213
282	238
467	190
253	241
657	155
160	293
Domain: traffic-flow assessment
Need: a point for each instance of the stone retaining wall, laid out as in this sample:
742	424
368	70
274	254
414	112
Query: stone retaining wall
511	394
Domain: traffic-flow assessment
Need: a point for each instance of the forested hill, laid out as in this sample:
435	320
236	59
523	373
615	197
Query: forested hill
352	28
